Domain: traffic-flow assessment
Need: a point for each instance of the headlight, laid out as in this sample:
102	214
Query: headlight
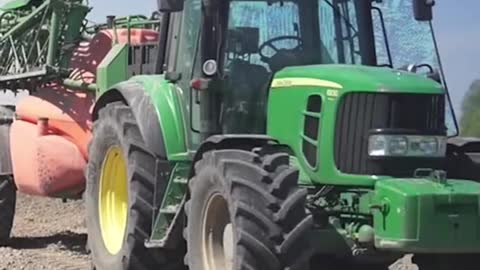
407	145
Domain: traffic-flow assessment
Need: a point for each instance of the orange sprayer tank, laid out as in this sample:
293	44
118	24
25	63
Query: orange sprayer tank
49	138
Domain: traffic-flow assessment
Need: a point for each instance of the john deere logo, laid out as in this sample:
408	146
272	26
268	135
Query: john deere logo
288	82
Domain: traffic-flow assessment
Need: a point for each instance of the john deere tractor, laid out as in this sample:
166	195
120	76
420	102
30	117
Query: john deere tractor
291	134
245	134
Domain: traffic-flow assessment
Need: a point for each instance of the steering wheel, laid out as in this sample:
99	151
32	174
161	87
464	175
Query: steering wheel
269	43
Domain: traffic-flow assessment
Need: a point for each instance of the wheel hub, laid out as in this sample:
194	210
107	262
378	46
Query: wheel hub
113	199
217	235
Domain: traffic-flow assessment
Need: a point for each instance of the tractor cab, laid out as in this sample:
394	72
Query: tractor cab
241	44
264	37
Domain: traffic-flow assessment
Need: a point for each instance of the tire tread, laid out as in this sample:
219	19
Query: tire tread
271	234
7	207
119	116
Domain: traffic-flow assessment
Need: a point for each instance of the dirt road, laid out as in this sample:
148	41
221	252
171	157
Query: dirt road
47	234
50	234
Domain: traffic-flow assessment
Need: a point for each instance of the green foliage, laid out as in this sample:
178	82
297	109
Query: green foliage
470	123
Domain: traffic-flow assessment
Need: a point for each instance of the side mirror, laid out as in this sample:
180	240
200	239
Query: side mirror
423	9
170	5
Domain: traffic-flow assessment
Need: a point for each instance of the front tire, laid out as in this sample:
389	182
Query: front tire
246	212
119	195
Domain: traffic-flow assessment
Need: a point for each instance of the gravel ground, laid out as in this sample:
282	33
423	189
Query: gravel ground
50	234
47	234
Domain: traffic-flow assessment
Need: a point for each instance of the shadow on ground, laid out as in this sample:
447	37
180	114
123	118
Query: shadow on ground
70	241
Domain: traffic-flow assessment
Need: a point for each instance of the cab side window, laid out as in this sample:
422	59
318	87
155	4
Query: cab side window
189	37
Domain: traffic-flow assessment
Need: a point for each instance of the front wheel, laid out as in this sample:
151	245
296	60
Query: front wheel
246	211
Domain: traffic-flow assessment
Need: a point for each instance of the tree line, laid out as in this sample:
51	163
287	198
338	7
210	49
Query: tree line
470	121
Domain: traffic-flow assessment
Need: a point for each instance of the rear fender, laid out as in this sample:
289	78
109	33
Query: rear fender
156	105
464	158
235	141
468	145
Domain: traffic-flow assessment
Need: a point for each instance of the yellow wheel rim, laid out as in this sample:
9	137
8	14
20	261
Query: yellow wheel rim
113	199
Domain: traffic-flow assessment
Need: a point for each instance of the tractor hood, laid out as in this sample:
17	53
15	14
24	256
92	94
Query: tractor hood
356	78
305	105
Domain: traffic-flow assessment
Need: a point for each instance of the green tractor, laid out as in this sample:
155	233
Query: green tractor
290	134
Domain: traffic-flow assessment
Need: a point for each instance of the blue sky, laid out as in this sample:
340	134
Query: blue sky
458	33
457	28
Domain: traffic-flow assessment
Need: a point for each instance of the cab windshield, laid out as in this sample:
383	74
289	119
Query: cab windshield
300	32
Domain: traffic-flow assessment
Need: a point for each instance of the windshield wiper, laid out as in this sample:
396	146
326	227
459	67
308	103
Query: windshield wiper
352	32
339	13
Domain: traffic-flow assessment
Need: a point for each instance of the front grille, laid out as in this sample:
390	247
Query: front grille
360	112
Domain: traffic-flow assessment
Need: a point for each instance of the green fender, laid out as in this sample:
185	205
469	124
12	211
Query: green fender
157	106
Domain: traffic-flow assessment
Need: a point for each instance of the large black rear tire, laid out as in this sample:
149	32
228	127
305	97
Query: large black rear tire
117	129
8	195
246	212
8	191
